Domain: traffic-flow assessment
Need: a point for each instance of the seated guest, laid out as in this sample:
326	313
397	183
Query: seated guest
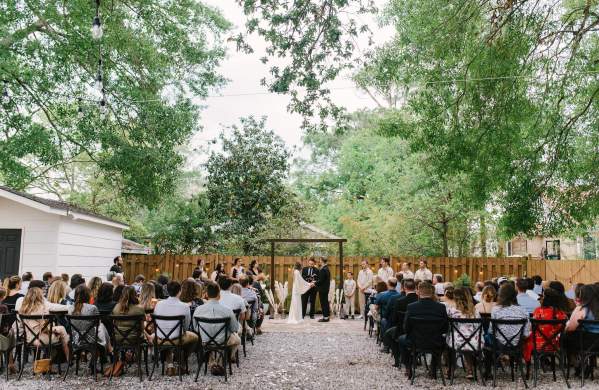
439	285
47	279
382	300
559	287
76	280
118	280
51	306
147	297
81	307
104	301
117	292
172	306
14	290
191	294
26	278
553	307
65	278
425	308
507	308
162	282
447	299
380	287
530	289
58	292
464	308
139	281
128	305
397	308
7	333
35	304
588	309
228	299
528	303
479	286
94	285
487	300
213	308
249	296
537	281
255	286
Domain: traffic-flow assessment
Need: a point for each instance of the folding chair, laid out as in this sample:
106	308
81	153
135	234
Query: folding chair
32	340
129	336
466	344
7	322
588	346
83	338
551	332
510	345
166	341
423	329
211	344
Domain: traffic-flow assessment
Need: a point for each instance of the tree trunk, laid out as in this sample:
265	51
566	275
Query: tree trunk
483	236
445	238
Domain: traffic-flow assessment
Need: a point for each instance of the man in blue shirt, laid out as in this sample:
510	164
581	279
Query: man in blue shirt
382	302
528	303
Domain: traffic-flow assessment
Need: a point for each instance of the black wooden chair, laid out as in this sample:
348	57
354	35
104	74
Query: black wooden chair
466	344
423	330
33	340
251	323
168	341
84	338
588	346
549	344
9	327
398	332
510	345
211	345
128	335
241	326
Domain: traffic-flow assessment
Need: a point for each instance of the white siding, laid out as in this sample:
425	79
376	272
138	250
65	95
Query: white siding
39	235
87	248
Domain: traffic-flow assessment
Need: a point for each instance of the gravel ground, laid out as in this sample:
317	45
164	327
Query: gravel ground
308	356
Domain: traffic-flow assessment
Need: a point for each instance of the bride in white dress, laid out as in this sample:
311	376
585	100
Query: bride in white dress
300	286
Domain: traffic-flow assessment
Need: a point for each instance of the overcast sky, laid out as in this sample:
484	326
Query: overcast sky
244	96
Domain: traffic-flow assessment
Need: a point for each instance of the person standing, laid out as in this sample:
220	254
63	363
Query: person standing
237	269
406	272
310	275
365	277
324	284
423	273
385	272
117	267
349	291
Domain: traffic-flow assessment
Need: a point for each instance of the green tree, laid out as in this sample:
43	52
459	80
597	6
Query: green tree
246	182
154	55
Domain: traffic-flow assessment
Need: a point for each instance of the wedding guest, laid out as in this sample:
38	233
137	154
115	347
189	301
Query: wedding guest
39	284
385	272
81	307
94	285
406	272
249	295
464	308
538	281
479	286
213	308
365	279
439	285
117	266
14	290
26	278
128	305
118	280
218	270
397	308
172	306
349	291
381	302
65	278
559	287
118	292
47	279
237	270
448	298
35	304
8	337
139	281
423	273
103	300
507	308
58	292
528	303
162	282
76	280
147	297
487	300
228	299
254	269
190	294
399	278
530	289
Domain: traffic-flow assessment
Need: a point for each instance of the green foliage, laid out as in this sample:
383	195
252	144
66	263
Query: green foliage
463	281
154	54
246	183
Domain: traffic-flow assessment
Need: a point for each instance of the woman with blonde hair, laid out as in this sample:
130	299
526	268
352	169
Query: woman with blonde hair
464	308
57	292
147	297
487	300
35	304
94	286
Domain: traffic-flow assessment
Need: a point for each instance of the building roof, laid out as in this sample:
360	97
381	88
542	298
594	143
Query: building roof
66	208
132	247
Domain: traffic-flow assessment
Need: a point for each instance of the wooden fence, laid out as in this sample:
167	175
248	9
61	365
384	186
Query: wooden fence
181	266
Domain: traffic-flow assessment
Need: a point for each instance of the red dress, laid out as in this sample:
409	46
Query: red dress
544	313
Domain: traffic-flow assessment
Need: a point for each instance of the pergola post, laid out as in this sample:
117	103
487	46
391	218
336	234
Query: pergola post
341	265
272	267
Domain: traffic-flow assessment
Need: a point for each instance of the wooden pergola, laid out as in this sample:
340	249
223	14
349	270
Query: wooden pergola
274	241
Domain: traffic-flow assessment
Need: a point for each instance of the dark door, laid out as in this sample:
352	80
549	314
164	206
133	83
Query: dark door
10	252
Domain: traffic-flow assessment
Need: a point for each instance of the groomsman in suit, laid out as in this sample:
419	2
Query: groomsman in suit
323	284
309	274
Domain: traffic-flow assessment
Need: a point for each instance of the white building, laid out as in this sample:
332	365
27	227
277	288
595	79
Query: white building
39	235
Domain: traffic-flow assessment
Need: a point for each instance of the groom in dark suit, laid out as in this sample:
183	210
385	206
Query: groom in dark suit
323	284
310	275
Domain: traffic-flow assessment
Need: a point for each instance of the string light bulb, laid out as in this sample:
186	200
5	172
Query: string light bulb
103	108
80	113
97	29
5	94
99	78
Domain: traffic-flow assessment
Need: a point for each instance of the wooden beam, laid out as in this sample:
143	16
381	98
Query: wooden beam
273	240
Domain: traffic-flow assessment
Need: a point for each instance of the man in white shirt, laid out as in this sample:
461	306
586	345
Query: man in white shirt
25	280
423	273
439	285
172	306
365	277
385	272
230	300
406	272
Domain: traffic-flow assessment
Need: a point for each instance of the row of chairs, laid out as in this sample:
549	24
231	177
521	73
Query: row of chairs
127	334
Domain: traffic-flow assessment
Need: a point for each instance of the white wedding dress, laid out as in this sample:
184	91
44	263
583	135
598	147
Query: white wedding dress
300	286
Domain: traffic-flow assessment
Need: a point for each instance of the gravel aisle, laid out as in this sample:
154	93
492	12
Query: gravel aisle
337	355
